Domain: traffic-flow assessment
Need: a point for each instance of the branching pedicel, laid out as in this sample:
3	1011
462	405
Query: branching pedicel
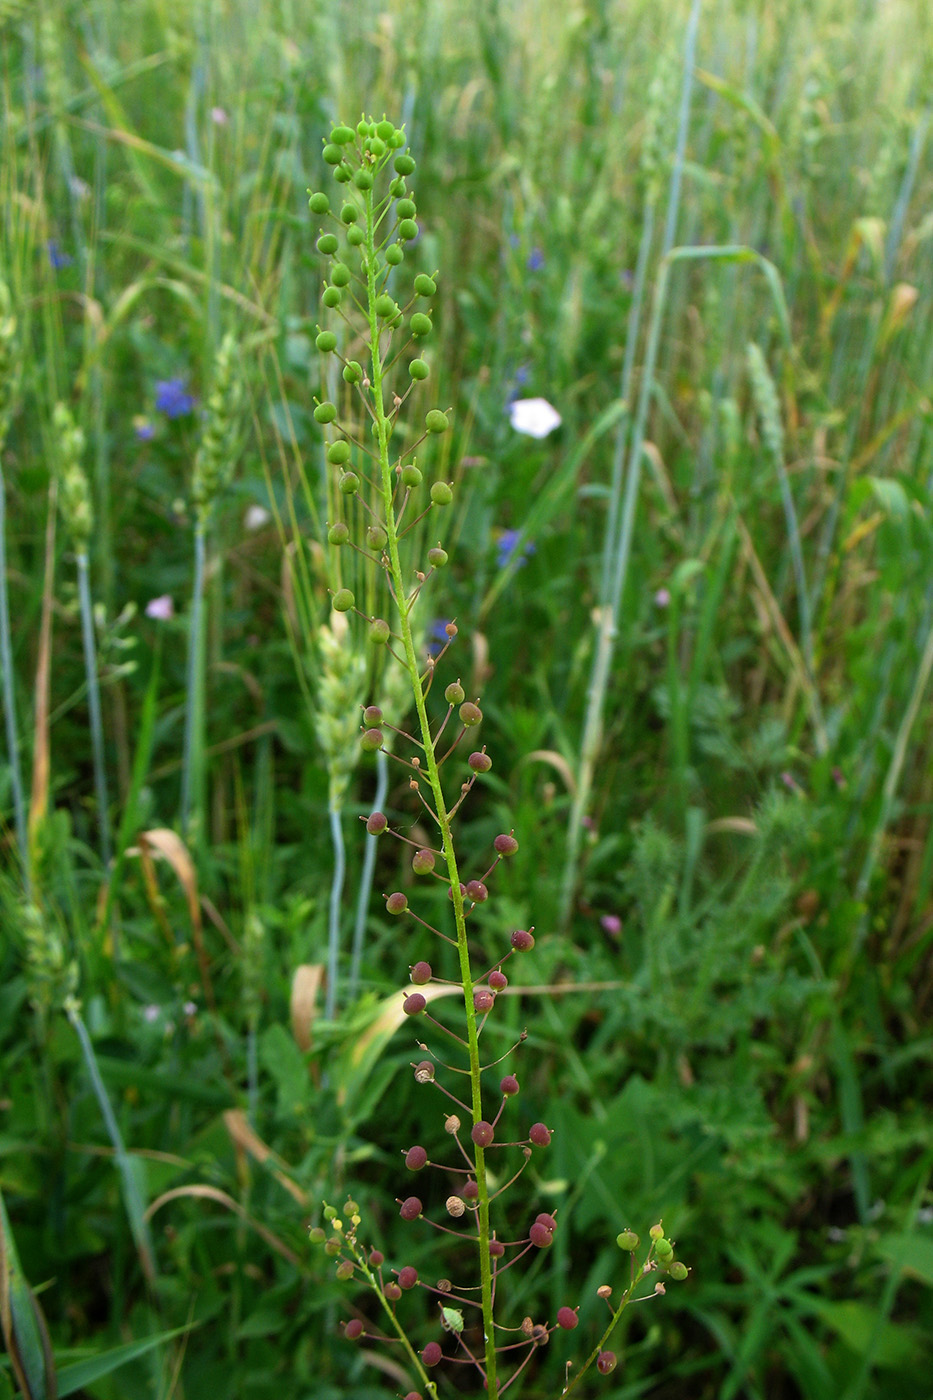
365	239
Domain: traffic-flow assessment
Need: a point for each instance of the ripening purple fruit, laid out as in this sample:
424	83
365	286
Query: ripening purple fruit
424	1072
376	1258
548	1221
344	1270
411	1208
397	903
371	741
416	1158
353	1329
567	1318
376	823
483	1000
539	1135
505	845
482	1133
431	1354
393	1292
522	940
477	891
413	1395
470	714
407	1277
498	981
606	1362
508	1086
496	1249
422	862
455	694
470	1191
450	891
421	973
540	1236
414	1004
480	762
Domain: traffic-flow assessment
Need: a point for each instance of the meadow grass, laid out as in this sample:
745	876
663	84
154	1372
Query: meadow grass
699	613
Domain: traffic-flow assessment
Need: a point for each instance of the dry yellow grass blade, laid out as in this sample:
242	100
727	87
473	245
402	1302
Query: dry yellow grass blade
246	1140
213	1193
306	984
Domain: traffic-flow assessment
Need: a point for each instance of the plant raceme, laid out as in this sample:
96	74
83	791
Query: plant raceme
384	313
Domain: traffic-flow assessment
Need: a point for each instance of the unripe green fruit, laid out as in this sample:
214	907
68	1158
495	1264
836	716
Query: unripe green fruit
371	741
664	1249
344	600
411	475
396	903
326	342
341	135
441	493
340	275
319	203
470	714
342	174
345	1271
379	631
362	128
325	413
422	862
385	129
418	369
353	372
397	187
363	180
338	534
327	243
376	146
372	716
356	236
338	453
404	164
436	422
385	306
408	230
455	694
349	484
405	209
332	296
420	324
394	255
437	557
376	537
332	154
425	286
349	213
678	1271
628	1241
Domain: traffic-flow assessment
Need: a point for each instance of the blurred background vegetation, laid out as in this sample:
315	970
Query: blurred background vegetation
748	909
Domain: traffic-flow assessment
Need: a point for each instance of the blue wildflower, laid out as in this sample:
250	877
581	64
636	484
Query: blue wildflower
535	260
437	637
57	258
172	398
507	545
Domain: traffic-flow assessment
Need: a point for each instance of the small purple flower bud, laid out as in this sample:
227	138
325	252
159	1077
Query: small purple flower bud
414	1005
421	973
455	694
477	891
411	1208
482	1133
606	1362
612	924
470	714
424	1072
505	845
508	1086
522	940
567	1318
416	1158
353	1330
432	1354
540	1236
376	823
483	1000
422	862
539	1135
480	762
498	980
407	1277
397	903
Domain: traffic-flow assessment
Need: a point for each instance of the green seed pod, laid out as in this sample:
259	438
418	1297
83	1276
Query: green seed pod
338	534
333	154
376	146
349	214
343	600
327	243
455	694
470	714
628	1241
436	421
437	557
356	236
394	254
404	163
441	493
353	372
362	128
363	180
340	275
420	324
396	140
342	174
405	209
338	453
397	188
418	369
379	631
422	862
376	537
425	286
332	296
371	741
325	413
342	135
326	342
385	306
349	484
678	1271
385	129
411	475
664	1249
408	230
319	203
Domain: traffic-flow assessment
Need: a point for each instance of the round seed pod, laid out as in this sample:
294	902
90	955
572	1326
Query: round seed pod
376	823
349	213
411	475
420	322
385	129
338	534
477	891
548	1221
316	1235
656	1232
342	174
606	1362
397	187
353	372
404	163
372	741
454	1207
332	296
326	341
405	209
376	146
325	413
425	286
505	845
435	421
441	494
407	1277
470	714
482	1133
376	537
539	1135
416	1158
363	179
362	128
376	1258
354	1328
338	453
414	1005
498	980
431	1354
356	237
678	1271
408	230
508	1086
394	255
450	892
319	203
454	694
496	1249
422	862
664	1250
470	1191
385	306
452	1124
418	369
332	153
437	557
349	484
540	1236
567	1318
379	631
480	763
396	903
424	1072
342	135
483	1000
628	1241
522	940
343	600
396	140
421	973
340	275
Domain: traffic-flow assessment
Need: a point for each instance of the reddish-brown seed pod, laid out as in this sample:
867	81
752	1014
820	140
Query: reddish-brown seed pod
422	862
546	1220
416	1158
450	892
414	1005
397	903
540	1236
483	999
480	762
496	1249
567	1318
470	1191
421	973
413	1395
372	716
353	1330
451	629
371	741
410	1208
431	1354
539	1135
508	1085
522	940
505	845
606	1362
407	1277
376	823
393	1292
540	1335
482	1133
376	1257
477	891
498	981
424	1072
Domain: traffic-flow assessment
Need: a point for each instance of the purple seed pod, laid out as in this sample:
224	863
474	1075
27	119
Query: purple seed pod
410	1208
522	940
376	1258
505	845
372	715
540	1236
567	1318
432	1354
393	1292
376	823
424	1072
496	1249
371	741
345	1270
483	1000
407	1277
353	1330
397	903
421	973
498	981
413	1395
414	1005
422	862
548	1221
450	891
508	1085
606	1362
416	1158
480	762
539	1135
470	1191
482	1133
477	891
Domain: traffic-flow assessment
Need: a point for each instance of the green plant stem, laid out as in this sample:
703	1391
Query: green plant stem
366	878
93	700
192	773
9	700
432	774
333	909
627	1296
